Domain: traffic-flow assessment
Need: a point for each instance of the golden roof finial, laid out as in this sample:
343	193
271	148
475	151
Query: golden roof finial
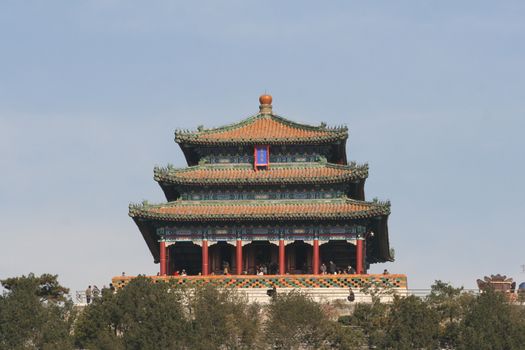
266	104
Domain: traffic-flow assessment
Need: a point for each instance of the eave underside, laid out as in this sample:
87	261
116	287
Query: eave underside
336	155
352	189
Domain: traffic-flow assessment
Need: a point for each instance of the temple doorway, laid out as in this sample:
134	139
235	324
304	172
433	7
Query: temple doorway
299	257
185	256
341	253
221	255
261	254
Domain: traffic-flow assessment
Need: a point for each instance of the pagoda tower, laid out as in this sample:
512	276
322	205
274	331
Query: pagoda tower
264	196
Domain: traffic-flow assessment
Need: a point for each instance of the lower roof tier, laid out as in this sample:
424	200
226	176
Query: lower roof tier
237	214
248	210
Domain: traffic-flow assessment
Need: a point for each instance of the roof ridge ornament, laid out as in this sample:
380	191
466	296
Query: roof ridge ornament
265	104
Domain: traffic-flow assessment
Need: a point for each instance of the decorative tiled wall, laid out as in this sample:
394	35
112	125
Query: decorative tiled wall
288	281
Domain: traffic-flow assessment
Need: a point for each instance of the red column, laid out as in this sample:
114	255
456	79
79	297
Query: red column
205	257
316	257
359	256
364	256
238	257
282	269
168	269
163	258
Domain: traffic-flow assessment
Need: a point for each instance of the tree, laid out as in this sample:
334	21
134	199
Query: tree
222	318
147	315
143	315
96	326
46	286
295	321
35	313
371	319
492	323
411	324
150	315
451	305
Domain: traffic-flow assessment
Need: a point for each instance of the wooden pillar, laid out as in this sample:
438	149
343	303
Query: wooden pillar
315	265
359	256
238	257
163	258
168	263
364	257
282	268
205	268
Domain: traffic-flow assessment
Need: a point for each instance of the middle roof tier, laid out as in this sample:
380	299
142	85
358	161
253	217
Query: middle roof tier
284	173
174	181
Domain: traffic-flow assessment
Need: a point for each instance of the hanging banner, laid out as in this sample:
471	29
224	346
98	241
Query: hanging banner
262	155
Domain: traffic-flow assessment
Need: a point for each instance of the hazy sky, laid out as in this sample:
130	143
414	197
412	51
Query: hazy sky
433	93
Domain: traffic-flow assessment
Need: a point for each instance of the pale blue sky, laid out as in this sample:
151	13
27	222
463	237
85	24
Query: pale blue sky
433	93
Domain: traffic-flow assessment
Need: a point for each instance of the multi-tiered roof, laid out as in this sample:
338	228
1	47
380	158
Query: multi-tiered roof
308	182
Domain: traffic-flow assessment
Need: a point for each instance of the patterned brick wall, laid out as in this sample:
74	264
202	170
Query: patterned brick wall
289	281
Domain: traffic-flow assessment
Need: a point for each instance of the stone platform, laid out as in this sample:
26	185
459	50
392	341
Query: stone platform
327	288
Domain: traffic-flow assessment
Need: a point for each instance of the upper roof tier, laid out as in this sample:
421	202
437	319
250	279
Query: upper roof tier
264	129
314	173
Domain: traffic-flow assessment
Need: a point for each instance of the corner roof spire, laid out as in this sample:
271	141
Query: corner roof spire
266	104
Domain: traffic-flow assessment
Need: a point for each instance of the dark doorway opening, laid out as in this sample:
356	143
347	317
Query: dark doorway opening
261	253
300	262
185	256
341	253
221	257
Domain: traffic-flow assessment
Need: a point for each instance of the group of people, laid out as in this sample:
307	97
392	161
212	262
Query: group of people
261	270
94	292
270	268
180	273
332	269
